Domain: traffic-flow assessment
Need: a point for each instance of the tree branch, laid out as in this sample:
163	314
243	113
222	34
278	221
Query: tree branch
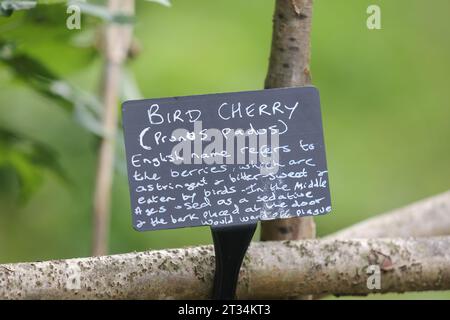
270	270
425	218
117	42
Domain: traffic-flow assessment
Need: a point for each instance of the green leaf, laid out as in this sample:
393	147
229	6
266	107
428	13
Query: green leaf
7	7
129	89
17	4
163	2
102	12
50	2
5	12
85	107
27	158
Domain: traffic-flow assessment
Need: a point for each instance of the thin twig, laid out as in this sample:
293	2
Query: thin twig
117	42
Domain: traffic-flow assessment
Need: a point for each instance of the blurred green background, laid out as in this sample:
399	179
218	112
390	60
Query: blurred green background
385	103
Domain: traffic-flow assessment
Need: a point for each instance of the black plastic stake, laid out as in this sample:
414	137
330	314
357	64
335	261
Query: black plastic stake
230	246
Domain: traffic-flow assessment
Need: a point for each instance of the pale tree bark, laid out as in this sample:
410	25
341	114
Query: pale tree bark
289	67
116	46
279	269
425	218
270	270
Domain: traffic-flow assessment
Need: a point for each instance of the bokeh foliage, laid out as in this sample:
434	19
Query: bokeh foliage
385	104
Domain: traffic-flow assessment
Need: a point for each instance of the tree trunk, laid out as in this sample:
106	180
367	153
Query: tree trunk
289	67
